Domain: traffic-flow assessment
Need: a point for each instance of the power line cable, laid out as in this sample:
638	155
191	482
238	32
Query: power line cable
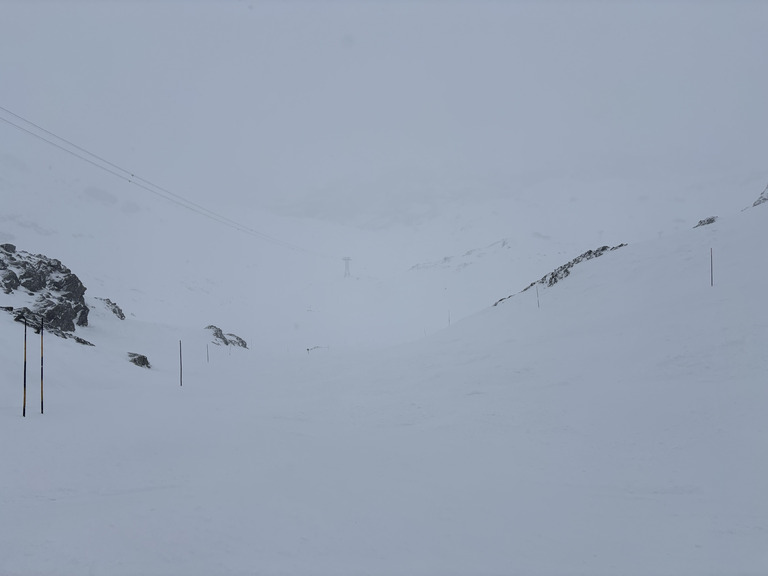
131	178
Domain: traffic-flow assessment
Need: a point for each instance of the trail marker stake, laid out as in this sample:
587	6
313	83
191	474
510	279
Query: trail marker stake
180	364
24	405
41	366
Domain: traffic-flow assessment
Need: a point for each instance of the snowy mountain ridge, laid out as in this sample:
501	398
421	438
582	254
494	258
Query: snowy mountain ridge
562	272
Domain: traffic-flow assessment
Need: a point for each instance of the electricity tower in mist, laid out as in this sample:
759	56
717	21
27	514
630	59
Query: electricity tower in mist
347	260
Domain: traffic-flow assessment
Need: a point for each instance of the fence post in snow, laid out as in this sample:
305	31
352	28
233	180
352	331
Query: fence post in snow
180	365
41	366
24	405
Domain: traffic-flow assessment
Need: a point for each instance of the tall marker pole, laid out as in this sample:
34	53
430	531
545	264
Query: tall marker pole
24	405
41	366
180	364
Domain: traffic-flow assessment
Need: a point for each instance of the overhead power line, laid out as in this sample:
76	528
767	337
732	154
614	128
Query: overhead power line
81	153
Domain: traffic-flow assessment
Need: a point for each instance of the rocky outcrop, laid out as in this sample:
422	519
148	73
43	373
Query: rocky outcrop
112	307
564	271
763	198
57	295
706	221
219	338
139	359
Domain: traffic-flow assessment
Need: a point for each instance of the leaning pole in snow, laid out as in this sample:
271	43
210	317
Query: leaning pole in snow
24	404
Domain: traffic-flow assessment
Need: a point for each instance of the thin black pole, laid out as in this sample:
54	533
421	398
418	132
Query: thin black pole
180	365
24	405
41	366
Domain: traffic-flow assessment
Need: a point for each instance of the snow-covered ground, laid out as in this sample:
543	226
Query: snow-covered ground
393	421
615	427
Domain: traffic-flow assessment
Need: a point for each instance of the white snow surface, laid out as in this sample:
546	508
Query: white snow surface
392	422
617	427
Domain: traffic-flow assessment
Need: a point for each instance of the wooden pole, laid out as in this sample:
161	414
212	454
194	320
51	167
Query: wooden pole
41	366
180	365
24	405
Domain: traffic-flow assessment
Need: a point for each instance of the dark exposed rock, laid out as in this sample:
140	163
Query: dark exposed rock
706	221
564	271
10	281
763	198
32	279
218	335
112	307
139	360
235	340
59	294
219	338
59	315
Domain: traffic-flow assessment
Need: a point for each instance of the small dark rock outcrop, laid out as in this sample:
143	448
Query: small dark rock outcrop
564	271
59	295
763	198
139	359
112	307
706	221
219	338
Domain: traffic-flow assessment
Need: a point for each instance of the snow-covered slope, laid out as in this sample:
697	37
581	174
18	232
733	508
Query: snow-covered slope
391	421
615	428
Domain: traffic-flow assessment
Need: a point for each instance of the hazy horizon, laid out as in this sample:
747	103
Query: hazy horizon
363	107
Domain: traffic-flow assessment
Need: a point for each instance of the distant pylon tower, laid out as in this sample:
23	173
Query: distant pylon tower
347	260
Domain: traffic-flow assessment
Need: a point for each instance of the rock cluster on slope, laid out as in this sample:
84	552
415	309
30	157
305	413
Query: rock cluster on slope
59	295
706	221
139	359
763	197
219	338
112	307
564	271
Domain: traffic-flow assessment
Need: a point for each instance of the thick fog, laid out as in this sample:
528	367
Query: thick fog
347	109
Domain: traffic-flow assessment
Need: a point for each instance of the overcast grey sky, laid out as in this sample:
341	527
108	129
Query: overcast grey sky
283	103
